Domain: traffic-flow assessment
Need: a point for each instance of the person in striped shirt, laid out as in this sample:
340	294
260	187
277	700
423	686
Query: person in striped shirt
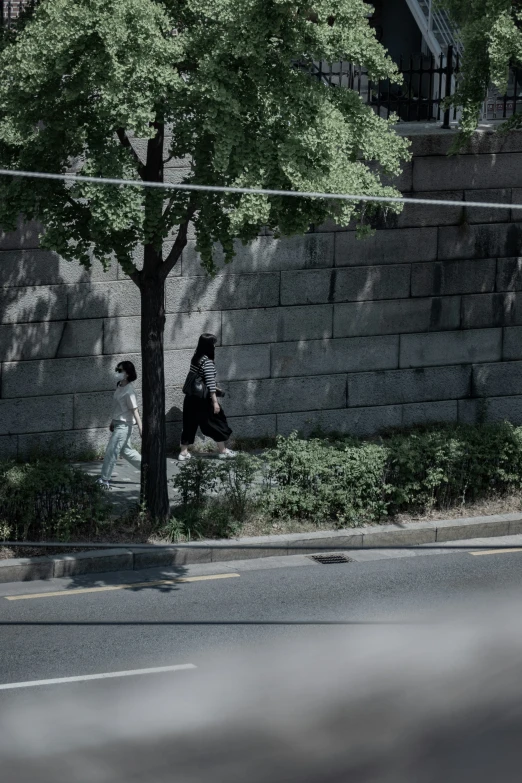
205	413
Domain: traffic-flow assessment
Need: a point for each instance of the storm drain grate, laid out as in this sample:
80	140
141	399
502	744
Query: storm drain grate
331	559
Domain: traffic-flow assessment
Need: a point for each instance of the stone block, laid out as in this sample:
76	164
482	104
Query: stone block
350	421
175	175
266	254
278	395
425	350
446	278
25	569
224	292
61	376
325	357
497	380
277	324
423	215
30	341
182	330
509	274
403	182
516	198
468	172
75	443
408	386
81	338
480	241
98	300
233	363
512	345
93	562
488	214
93	410
253	426
429	412
26	236
174	403
485	310
44	267
495	409
386	246
8	446
243	362
172	557
50	340
439	142
346	285
36	414
473	527
23	305
396	316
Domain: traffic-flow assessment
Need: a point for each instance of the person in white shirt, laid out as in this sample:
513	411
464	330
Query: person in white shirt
125	413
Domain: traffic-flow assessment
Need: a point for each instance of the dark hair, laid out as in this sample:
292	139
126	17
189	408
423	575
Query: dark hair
206	344
129	369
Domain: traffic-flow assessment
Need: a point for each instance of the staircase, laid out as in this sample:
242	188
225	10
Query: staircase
438	30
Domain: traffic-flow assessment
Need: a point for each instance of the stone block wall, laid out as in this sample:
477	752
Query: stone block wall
418	323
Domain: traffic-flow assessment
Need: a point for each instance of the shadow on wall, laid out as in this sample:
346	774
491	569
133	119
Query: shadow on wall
54	368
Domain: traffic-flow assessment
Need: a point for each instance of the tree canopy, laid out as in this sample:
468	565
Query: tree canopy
82	78
491	34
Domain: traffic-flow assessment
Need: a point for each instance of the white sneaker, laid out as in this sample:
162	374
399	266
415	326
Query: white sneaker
227	454
103	483
184	457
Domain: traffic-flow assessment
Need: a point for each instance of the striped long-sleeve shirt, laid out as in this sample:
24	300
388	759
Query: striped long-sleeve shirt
207	370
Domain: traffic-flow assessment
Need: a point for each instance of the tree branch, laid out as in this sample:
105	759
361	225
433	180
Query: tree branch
181	240
124	140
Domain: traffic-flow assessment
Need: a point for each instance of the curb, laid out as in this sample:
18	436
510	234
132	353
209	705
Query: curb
127	559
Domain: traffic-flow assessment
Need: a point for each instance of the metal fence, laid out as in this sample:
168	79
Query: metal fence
427	82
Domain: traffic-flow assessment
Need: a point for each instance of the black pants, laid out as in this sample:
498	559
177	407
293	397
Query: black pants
200	413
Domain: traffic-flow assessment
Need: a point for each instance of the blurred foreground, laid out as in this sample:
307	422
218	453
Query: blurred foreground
377	703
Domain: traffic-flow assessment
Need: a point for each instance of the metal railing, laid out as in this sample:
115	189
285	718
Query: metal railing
435	26
427	81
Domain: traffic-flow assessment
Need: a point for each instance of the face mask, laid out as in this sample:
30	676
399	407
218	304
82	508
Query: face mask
120	376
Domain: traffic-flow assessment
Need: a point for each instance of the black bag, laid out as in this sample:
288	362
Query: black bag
195	386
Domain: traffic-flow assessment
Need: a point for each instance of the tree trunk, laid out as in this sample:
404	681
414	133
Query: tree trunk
154	493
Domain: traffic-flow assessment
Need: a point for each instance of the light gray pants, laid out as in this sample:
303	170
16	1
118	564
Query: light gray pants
120	442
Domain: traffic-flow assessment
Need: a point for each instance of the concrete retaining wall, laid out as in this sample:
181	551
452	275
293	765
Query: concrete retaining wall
416	324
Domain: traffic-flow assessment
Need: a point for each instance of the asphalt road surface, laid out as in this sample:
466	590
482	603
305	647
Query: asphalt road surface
105	624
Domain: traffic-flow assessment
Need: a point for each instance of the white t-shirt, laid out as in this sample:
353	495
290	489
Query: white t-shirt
124	403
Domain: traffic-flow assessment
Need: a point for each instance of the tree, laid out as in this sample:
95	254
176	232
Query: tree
491	34
218	78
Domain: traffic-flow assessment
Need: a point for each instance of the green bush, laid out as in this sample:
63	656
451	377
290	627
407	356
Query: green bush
215	497
341	482
48	499
448	464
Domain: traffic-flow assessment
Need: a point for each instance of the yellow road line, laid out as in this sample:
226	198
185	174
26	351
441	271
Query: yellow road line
495	552
129	586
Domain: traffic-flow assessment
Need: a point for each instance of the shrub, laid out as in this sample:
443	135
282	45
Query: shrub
326	481
448	464
48	499
215	497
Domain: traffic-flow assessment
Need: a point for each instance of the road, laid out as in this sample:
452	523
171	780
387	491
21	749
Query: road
101	624
270	669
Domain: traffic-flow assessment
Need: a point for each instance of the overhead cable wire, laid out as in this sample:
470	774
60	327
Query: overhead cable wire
71	178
